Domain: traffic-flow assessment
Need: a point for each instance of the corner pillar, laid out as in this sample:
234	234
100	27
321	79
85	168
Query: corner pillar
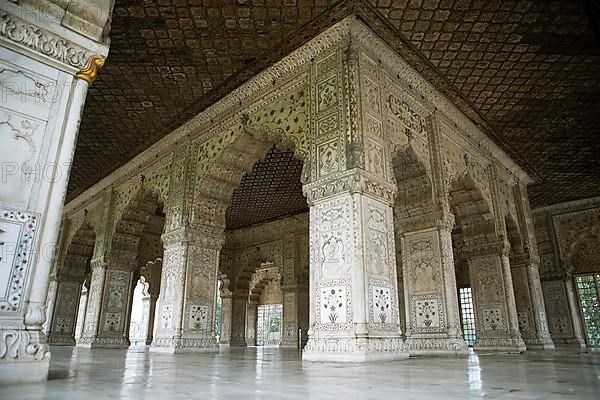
353	292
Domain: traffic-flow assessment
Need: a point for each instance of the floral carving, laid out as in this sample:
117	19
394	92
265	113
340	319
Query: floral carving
333	305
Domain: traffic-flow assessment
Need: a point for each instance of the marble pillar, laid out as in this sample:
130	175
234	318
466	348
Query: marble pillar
496	320
188	291
109	304
43	97
64	320
531	313
289	334
574	310
226	315
353	292
430	292
566	332
251	322
151	318
81	312
238	319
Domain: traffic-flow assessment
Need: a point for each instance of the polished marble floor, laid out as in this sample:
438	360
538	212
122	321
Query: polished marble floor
272	373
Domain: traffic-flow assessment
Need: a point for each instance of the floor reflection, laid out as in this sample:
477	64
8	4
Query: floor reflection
273	373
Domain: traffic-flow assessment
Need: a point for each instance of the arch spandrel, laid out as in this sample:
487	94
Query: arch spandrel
584	254
128	226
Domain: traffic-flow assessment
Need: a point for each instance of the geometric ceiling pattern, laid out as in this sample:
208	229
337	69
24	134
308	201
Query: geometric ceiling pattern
527	72
270	191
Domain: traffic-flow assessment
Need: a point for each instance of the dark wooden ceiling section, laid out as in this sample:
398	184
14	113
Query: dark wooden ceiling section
528	72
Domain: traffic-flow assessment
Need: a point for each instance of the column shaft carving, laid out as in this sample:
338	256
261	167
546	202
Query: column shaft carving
188	291
496	318
109	301
430	294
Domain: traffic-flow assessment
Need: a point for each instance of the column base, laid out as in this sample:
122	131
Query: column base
24	357
539	343
436	346
500	345
57	340
569	344
353	350
12	372
104	343
185	345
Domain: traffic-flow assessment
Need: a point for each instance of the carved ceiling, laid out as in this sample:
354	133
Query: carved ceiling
526	71
271	190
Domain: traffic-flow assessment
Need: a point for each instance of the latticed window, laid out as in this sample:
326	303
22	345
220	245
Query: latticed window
588	288
269	324
467	315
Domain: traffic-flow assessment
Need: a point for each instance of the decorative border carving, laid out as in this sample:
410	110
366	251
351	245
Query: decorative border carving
11	300
43	42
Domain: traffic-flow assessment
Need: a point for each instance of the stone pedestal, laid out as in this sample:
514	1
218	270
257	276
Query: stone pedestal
430	294
496	320
188	291
353	293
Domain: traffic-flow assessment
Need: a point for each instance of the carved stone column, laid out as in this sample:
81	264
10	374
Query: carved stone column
151	314
226	315
353	304
64	321
496	319
251	322
81	312
530	303
238	319
109	304
429	279
289	337
47	65
188	291
573	302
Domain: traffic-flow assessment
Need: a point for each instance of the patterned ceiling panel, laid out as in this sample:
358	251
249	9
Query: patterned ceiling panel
526	71
271	190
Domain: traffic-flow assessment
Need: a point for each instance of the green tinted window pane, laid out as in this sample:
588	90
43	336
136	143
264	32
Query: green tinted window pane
587	288
467	315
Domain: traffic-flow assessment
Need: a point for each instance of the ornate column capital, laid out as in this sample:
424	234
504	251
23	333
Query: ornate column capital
354	180
482	248
204	236
90	72
433	219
